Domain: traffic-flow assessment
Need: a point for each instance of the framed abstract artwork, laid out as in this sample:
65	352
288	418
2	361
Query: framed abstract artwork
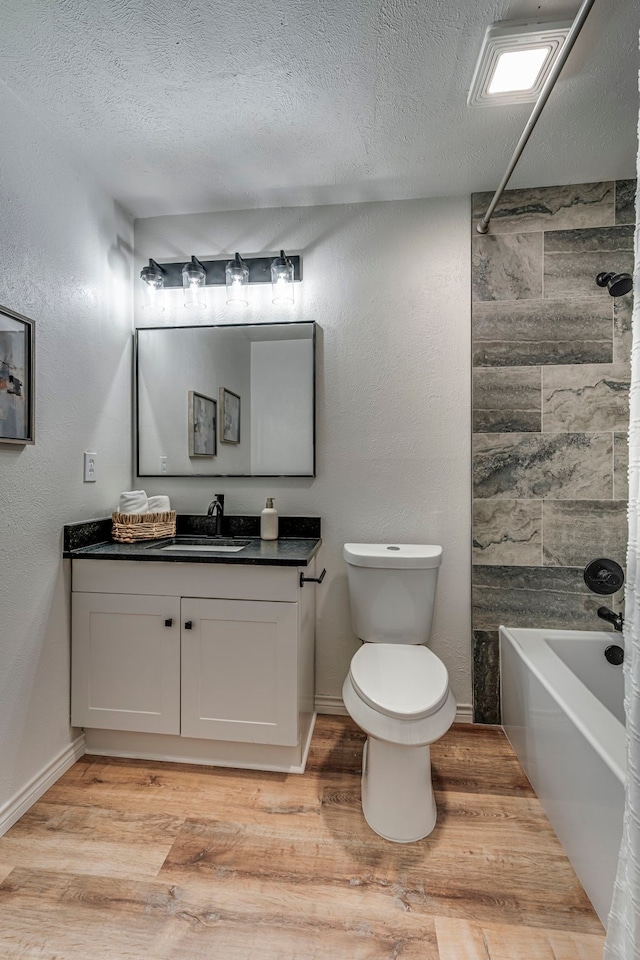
229	416
202	425
17	378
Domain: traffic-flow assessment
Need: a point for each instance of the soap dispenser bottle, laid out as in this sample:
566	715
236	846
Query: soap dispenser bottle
269	521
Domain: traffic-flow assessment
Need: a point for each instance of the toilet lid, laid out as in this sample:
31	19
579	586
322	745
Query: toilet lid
406	681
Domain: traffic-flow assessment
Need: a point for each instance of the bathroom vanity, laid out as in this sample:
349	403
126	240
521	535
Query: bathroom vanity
195	655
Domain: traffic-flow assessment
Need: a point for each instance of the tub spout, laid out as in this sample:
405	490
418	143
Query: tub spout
614	618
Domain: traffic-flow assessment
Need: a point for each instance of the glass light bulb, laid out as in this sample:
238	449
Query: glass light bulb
237	278
193	286
282	280
152	298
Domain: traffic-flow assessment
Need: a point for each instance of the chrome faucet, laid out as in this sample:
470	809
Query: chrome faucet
216	509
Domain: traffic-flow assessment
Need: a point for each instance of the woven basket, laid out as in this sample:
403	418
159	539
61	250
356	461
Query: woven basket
129	527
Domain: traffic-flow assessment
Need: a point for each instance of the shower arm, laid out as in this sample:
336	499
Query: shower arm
565	50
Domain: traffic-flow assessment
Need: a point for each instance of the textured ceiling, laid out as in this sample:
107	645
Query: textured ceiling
200	105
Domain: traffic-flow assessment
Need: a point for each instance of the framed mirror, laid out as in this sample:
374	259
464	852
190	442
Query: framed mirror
228	400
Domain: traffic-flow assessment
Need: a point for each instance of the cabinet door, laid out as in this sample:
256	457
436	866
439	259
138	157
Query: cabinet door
239	671
125	662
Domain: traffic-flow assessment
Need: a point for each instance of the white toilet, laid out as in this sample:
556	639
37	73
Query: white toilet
396	690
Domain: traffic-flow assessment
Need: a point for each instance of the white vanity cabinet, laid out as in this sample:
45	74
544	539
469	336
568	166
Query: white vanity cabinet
239	670
208	663
125	663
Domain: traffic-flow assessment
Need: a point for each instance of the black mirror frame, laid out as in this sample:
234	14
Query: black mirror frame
187	476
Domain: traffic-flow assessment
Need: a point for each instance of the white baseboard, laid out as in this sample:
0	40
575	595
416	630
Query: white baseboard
18	805
335	707
464	713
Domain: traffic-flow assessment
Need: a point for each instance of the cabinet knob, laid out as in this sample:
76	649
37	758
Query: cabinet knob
169	622
188	624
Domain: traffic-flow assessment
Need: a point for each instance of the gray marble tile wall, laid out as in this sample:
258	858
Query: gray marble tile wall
551	369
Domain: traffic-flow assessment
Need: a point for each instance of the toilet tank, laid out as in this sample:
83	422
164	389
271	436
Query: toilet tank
392	590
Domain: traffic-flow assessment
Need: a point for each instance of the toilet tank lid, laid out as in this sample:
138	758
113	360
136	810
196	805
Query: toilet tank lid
400	555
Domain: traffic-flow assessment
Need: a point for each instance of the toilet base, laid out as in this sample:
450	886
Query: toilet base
397	795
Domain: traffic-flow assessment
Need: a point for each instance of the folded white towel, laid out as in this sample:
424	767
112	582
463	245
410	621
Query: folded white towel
159	505
133	501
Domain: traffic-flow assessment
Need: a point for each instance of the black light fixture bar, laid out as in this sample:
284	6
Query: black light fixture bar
259	270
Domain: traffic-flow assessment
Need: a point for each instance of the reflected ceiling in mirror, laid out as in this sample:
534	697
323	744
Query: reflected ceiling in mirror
226	400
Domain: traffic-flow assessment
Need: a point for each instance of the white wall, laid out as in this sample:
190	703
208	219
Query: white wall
66	264
388	283
281	407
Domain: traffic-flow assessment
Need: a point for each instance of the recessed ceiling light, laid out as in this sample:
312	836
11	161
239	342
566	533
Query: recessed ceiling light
515	60
518	70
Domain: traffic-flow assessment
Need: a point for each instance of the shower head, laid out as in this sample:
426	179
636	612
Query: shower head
618	283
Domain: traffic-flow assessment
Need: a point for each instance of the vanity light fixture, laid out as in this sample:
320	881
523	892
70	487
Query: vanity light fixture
194	277
154	277
237	277
515	60
282	276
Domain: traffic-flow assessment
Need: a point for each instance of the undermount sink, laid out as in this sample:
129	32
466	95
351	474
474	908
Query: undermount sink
201	545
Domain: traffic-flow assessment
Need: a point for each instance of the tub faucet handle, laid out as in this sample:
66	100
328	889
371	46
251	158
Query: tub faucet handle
603	576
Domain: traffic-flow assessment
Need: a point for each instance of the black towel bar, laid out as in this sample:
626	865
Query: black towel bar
319	579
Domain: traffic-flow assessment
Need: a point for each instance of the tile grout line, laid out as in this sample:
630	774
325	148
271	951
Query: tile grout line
613	330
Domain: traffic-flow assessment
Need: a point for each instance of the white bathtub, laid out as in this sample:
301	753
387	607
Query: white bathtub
562	710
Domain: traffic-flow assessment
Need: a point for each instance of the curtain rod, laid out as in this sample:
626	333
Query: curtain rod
565	50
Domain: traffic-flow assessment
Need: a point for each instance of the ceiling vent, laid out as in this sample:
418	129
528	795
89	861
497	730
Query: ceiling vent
515	60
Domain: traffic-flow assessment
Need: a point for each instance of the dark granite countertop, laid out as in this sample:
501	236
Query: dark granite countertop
298	543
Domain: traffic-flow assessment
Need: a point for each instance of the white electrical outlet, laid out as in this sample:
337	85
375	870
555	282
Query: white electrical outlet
163	465
90	463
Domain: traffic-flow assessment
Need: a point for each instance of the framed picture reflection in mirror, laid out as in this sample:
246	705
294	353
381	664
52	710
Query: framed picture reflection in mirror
202	425
229	416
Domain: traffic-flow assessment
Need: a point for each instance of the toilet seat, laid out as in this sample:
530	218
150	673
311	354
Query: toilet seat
404	733
402	681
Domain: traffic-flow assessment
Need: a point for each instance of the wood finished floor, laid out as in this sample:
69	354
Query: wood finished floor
137	860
